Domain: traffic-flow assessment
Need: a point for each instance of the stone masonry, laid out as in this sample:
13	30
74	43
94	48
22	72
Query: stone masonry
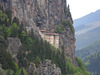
52	38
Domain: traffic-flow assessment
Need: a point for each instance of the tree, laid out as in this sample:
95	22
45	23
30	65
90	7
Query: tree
7	32
15	20
2	71
23	35
14	30
23	72
3	17
9	14
9	72
37	61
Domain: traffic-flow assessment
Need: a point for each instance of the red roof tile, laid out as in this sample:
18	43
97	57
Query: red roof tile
43	30
51	34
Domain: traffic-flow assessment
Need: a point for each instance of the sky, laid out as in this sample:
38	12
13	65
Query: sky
80	8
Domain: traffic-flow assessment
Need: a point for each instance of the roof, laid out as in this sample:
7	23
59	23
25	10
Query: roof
51	34
43	30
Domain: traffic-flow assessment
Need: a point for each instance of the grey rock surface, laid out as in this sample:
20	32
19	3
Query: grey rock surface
45	68
13	46
48	68
45	14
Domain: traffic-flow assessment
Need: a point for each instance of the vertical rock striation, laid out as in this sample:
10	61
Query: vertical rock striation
46	14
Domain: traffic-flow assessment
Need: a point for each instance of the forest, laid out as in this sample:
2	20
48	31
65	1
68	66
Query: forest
38	50
92	63
88	50
90	56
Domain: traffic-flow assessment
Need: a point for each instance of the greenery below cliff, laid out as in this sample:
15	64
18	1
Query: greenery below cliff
88	50
92	63
33	50
90	56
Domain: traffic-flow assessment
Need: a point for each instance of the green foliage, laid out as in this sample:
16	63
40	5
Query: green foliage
3	19
14	30
9	72
9	14
88	50
5	58
22	35
7	61
33	49
39	50
90	56
64	24
80	63
1	7
15	20
7	32
92	63
67	10
35	73
3	16
73	70
70	24
37	61
23	71
36	50
6	72
2	71
1	39
60	28
70	68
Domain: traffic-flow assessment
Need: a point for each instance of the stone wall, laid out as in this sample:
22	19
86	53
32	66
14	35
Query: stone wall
52	38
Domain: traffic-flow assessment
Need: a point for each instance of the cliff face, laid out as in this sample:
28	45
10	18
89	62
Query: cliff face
45	68
46	14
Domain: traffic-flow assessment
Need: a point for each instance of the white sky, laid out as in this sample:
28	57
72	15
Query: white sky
81	8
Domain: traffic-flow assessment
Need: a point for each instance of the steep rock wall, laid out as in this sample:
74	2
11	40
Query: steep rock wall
45	68
13	46
47	14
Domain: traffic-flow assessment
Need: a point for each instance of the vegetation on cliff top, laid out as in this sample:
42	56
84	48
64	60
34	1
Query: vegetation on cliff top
65	23
32	50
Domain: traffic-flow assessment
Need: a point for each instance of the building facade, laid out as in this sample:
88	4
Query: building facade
52	38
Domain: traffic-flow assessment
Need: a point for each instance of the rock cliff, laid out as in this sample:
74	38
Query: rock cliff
45	68
13	46
45	14
48	68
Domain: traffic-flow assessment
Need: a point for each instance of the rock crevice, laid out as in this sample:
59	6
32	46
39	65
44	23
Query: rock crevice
46	14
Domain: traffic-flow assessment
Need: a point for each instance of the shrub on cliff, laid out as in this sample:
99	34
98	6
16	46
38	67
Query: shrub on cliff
33	50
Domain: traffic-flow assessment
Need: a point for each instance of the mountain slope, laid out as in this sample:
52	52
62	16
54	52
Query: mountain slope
88	50
92	63
87	29
23	53
83	40
51	15
90	18
91	57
